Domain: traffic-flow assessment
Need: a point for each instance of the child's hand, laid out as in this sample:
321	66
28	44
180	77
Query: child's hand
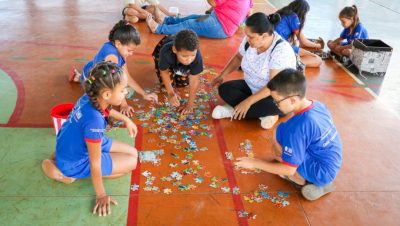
103	205
127	110
151	97
174	100
131	127
217	81
246	163
185	110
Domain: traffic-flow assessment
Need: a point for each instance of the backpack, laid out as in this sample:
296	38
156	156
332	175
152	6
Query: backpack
300	66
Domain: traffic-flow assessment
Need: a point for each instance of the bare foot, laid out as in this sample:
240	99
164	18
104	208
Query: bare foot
151	23
74	75
51	171
131	19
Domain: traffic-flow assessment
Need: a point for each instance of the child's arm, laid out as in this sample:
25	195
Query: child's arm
194	82
307	43
130	126
232	65
173	98
134	85
103	205
270	167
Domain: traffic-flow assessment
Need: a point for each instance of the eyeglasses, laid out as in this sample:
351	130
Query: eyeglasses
279	101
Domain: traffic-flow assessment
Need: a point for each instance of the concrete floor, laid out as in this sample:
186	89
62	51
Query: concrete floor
43	39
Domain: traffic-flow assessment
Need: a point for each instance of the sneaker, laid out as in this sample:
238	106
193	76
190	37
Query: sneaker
224	111
312	192
268	122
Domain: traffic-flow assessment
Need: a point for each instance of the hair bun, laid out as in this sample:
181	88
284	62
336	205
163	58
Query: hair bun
274	18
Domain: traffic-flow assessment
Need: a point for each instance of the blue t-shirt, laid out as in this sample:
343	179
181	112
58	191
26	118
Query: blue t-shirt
311	143
108	48
84	123
289	24
359	33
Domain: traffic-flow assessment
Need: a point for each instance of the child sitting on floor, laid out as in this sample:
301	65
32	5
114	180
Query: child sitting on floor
293	17
353	29
136	10
123	40
307	146
82	150
178	62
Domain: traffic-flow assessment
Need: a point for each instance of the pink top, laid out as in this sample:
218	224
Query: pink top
231	13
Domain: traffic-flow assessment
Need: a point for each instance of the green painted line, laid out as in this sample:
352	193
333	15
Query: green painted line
50	58
8	97
328	80
36	194
360	85
19	58
81	59
142	62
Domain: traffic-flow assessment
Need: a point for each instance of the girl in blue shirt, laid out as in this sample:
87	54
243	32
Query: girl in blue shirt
82	149
353	29
293	17
123	40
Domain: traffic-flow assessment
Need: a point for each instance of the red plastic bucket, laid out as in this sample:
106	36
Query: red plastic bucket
60	113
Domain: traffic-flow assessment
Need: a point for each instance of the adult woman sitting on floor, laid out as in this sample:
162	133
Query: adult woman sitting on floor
262	54
223	22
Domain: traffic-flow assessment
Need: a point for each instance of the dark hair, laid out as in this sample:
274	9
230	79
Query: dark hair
288	82
260	23
104	75
300	7
125	33
186	39
350	12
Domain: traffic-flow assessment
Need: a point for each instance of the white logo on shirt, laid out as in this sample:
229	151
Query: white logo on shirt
97	130
288	151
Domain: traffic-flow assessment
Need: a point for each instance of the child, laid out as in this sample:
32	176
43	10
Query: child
178	62
293	17
82	150
353	29
140	9
123	40
307	146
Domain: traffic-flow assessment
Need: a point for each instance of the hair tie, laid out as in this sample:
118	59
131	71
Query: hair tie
89	81
112	71
103	72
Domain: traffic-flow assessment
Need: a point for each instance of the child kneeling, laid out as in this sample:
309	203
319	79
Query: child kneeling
178	62
307	146
82	149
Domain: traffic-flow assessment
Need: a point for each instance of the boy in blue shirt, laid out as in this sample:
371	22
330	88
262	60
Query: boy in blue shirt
307	146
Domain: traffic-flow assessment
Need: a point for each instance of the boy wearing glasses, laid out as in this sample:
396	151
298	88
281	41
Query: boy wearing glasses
307	146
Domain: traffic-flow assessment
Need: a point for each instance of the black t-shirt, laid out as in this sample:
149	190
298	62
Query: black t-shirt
168	60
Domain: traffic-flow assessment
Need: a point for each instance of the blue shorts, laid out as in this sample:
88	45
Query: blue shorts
81	169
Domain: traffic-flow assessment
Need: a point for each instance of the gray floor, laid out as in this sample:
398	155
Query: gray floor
380	17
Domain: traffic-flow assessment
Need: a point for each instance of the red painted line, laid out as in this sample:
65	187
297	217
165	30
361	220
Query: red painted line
26	125
344	94
133	206
19	106
237	201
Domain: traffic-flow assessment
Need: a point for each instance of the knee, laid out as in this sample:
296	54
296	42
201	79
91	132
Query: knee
330	44
132	158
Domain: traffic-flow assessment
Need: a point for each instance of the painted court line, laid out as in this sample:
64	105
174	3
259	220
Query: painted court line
237	201
19	105
133	201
